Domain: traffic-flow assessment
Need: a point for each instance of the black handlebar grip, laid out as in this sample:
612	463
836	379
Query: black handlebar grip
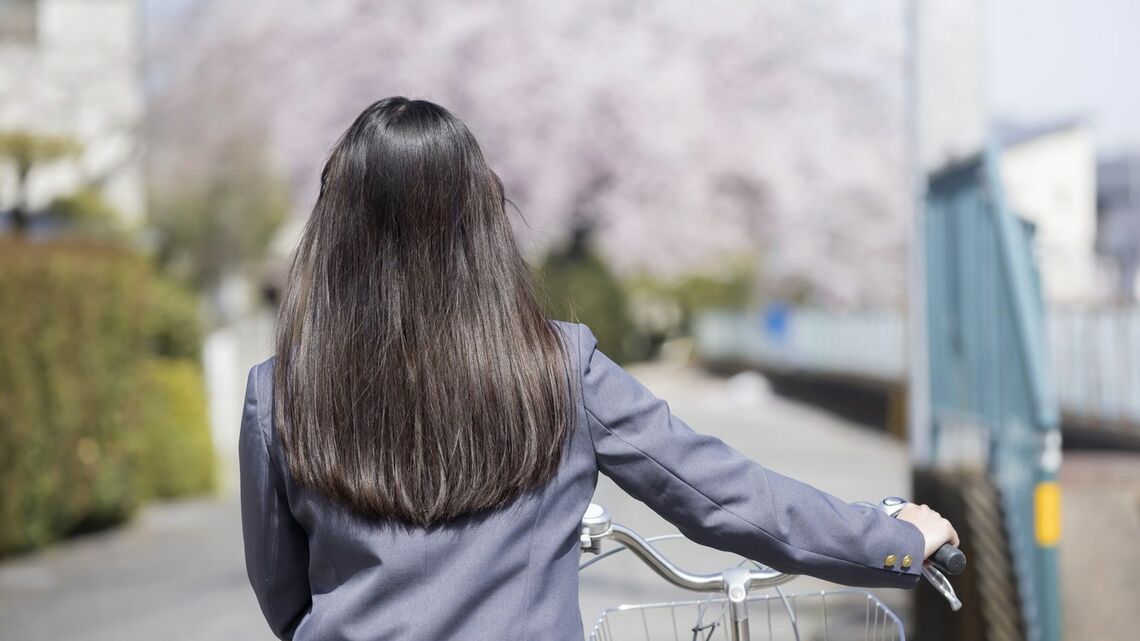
949	559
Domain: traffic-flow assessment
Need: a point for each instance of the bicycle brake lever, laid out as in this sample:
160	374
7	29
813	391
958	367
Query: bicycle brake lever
936	578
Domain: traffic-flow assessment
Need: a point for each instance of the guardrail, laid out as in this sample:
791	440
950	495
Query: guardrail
1096	366
1095	353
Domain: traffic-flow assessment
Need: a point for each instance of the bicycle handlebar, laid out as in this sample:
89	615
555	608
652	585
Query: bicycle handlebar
949	559
597	525
682	579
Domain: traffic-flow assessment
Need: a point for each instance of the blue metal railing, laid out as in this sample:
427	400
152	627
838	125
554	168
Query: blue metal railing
1094	353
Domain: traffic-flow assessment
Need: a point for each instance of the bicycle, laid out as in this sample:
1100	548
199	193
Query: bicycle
735	586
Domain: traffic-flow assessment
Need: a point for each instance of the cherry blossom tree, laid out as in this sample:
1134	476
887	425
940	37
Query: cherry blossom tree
688	132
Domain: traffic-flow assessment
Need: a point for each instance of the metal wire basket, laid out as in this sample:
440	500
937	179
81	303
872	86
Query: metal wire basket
837	615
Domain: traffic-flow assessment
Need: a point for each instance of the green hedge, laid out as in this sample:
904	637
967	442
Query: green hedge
176	454
92	348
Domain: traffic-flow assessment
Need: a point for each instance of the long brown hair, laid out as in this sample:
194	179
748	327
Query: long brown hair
416	376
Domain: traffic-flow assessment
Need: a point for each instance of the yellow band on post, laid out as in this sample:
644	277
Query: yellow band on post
1047	511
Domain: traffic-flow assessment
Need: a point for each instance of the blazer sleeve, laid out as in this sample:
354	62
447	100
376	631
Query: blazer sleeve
720	498
276	547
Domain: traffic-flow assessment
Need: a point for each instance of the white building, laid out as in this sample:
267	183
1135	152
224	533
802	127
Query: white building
72	68
1049	176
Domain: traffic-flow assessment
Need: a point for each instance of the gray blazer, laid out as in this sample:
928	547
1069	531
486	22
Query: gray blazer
323	573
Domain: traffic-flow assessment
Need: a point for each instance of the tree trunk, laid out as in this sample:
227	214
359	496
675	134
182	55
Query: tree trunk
20	218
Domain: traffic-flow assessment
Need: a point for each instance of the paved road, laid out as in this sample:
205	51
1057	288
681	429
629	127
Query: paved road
176	572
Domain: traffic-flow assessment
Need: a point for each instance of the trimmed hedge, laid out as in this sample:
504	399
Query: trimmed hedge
176	453
96	390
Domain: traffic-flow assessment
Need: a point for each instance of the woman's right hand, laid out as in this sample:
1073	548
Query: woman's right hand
935	529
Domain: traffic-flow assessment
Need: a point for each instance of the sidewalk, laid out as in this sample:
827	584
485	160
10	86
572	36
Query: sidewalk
1099	551
175	573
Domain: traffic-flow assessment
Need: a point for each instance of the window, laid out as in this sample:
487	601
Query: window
17	21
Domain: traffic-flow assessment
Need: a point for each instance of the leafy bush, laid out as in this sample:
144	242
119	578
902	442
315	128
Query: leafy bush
86	210
175	454
579	287
79	328
173	324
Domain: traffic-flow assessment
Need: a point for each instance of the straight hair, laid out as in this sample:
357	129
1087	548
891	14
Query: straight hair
416	376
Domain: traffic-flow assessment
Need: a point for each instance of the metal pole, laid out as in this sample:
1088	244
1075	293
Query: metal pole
918	385
1047	533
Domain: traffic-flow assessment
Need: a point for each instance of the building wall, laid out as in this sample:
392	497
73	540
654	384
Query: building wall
1051	180
79	76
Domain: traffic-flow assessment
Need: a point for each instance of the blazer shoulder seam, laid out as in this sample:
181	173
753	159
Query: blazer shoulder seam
583	361
257	382
264	429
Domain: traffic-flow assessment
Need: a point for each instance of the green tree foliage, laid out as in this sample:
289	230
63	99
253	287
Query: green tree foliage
221	222
731	288
25	150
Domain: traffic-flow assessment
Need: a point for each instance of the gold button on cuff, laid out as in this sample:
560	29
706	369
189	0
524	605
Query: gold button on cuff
889	561
906	561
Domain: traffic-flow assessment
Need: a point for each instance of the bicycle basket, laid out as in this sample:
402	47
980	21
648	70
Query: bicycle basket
838	615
